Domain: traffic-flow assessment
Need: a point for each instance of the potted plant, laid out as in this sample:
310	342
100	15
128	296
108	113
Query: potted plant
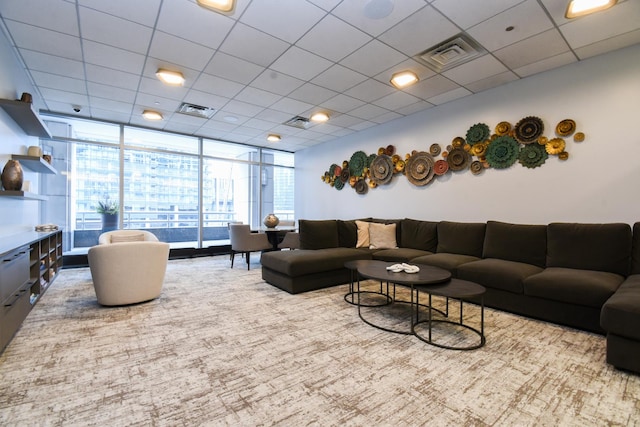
109	211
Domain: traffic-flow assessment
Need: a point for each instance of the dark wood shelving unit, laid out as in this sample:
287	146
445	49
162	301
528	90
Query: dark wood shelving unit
27	272
25	116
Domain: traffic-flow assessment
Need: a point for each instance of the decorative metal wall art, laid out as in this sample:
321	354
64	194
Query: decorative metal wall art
523	143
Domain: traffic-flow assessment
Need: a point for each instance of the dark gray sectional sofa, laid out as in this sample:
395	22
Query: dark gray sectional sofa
585	276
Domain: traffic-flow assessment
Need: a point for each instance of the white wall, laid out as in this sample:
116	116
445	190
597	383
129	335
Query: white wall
15	215
599	183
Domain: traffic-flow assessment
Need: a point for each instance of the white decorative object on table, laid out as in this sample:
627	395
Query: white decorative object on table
407	268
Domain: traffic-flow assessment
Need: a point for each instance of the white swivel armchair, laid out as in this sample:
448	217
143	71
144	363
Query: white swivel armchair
128	266
244	241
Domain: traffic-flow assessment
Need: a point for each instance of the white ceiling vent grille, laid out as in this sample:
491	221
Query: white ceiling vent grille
298	122
196	110
450	53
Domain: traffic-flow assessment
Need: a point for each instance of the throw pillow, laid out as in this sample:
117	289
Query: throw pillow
363	234
382	236
123	238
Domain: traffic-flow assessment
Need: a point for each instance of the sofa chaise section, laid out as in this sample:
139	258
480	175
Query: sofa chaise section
319	263
303	270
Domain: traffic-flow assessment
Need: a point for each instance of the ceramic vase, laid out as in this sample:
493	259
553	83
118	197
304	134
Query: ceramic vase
271	221
12	176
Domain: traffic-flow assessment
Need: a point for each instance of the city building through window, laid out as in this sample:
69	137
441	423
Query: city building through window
184	189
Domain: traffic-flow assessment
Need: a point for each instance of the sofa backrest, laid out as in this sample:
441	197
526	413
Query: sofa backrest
601	247
318	234
463	238
516	242
415	234
347	233
635	254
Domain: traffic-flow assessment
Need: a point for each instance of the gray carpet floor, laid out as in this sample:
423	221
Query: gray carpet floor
222	347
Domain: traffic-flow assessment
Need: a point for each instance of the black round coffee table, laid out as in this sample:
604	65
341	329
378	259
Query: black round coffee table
377	270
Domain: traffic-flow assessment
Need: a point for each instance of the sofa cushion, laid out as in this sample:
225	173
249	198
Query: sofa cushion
399	254
382	236
516	242
635	254
602	247
303	261
347	234
621	313
461	238
497	273
318	234
582	287
443	260
397	222
415	234
363	234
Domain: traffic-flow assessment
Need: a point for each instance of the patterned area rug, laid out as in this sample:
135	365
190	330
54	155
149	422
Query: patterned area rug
222	347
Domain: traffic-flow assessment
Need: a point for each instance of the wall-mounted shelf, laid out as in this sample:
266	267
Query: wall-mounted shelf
24	115
35	164
24	195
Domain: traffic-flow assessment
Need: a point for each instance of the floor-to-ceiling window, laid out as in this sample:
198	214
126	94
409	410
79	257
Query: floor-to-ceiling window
184	189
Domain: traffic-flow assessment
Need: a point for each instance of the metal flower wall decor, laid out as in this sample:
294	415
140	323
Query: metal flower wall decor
478	150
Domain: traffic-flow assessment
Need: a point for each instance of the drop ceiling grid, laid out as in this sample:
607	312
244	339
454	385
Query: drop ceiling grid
264	64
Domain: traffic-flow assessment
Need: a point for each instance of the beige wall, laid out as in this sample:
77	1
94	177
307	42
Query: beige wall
599	183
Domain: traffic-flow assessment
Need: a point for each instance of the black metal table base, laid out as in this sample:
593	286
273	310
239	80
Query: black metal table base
392	300
352	293
430	321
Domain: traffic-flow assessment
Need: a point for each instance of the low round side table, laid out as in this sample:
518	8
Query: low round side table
457	289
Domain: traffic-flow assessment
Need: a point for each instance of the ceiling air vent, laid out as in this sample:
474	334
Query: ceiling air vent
450	53
196	110
298	122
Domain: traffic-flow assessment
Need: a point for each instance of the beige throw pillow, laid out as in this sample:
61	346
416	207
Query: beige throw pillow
123	238
382	236
363	234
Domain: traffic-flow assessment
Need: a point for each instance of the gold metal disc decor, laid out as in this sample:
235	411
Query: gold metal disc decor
382	169
419	168
458	159
480	150
566	127
529	129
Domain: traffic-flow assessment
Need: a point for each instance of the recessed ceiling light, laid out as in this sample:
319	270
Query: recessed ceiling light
151	115
378	9
230	119
222	6
273	137
320	117
404	79
578	8
173	78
